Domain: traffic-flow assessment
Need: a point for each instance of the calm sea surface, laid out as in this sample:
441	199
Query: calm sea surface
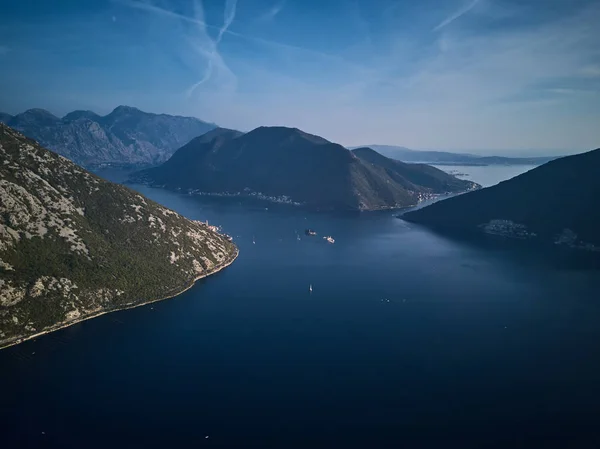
409	339
486	175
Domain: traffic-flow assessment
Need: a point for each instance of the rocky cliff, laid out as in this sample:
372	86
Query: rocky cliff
126	136
73	246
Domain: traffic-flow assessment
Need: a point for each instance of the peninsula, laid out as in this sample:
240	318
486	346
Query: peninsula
291	166
74	246
554	203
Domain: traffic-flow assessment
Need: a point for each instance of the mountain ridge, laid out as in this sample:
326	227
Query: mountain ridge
451	158
74	246
553	203
289	165
125	136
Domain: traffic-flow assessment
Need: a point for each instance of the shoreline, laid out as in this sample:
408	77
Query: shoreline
309	207
64	325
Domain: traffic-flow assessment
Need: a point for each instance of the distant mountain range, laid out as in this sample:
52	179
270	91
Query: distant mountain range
73	246
289	165
126	136
447	158
556	202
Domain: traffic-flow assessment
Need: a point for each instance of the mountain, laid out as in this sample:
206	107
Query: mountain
289	165
556	202
4	118
443	157
73	246
222	134
416	174
76	115
126	136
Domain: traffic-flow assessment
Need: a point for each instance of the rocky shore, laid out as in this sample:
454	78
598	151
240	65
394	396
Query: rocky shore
132	305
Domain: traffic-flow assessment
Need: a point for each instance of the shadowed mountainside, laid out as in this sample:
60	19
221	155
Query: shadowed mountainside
289	165
558	202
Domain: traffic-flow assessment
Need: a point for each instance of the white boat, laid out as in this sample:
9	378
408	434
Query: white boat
310	288
329	239
253	241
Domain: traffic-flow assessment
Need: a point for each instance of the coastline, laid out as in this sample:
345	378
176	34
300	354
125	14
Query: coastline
64	325
285	200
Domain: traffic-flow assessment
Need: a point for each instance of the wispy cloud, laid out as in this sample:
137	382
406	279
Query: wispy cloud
573	91
461	88
253	39
519	77
511	85
465	86
211	50
591	71
230	6
144	6
272	12
456	15
204	48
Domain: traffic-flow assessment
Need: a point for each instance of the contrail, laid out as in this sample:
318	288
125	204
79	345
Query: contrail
271	13
212	54
205	78
171	14
162	12
230	6
205	46
461	12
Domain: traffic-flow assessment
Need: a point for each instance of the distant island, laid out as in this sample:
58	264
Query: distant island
554	203
448	158
290	166
73	246
125	137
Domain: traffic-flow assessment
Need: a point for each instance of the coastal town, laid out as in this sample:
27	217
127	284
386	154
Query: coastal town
507	228
217	229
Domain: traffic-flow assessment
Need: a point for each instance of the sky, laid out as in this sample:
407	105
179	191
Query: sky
479	75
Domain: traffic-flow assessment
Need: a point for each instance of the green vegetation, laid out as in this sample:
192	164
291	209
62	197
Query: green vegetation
73	245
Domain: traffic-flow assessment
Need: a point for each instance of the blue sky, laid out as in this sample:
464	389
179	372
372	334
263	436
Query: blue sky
477	75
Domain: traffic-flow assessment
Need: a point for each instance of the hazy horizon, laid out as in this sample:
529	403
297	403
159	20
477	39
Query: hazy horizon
515	152
462	76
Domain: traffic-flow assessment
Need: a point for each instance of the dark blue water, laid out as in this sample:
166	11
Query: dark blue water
480	345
